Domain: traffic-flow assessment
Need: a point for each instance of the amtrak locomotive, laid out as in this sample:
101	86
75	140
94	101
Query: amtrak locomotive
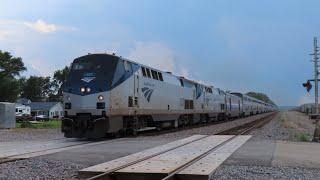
109	94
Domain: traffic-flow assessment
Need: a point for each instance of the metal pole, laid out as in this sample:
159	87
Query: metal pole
316	74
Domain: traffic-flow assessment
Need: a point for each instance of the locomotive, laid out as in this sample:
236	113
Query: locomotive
108	94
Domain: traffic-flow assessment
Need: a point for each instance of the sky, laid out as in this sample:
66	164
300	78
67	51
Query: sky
246	45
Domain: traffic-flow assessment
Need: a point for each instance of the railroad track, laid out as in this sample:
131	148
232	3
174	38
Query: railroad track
34	153
238	131
199	125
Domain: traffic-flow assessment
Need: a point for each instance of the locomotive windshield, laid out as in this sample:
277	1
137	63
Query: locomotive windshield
95	70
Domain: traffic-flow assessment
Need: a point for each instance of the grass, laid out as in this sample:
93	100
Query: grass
285	123
304	137
52	124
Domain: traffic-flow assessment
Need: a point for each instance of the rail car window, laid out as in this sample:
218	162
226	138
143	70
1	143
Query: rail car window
181	82
208	90
154	74
188	84
160	76
148	73
143	71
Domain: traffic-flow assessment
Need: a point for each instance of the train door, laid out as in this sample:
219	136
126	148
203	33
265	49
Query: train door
230	106
204	103
136	85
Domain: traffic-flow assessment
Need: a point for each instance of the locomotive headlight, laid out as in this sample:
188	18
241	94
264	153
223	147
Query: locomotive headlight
82	89
88	89
100	97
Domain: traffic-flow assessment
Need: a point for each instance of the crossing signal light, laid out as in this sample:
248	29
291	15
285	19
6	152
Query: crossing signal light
307	85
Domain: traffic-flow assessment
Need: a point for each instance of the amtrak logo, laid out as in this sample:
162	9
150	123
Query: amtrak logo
88	79
147	92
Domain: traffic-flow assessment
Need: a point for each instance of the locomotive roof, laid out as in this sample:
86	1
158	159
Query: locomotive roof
179	77
122	58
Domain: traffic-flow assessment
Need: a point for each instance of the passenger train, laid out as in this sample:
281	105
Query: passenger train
105	93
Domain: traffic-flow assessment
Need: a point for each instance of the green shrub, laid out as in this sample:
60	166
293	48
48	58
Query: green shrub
25	124
304	137
51	124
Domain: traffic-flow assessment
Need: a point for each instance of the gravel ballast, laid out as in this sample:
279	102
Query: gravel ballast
262	172
38	168
209	129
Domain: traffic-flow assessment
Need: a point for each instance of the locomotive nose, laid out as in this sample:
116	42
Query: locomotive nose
96	101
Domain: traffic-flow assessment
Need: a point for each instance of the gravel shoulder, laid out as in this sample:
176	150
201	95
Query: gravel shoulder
28	134
287	126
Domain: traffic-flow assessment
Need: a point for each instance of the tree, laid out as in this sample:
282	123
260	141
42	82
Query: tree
260	96
9	89
60	78
36	88
10	66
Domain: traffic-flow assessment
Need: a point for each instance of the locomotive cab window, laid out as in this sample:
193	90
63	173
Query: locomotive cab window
81	66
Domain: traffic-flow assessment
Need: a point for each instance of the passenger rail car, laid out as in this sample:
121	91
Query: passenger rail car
109	94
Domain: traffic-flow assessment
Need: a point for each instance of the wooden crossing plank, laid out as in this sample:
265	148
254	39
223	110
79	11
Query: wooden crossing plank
206	166
114	164
170	161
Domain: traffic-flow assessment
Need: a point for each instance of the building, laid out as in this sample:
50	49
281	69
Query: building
22	110
23	101
48	109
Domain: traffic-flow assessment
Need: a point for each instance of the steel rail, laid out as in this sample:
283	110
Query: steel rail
105	174
196	159
142	159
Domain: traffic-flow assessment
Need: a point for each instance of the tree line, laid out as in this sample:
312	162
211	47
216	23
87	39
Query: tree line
38	88
35	88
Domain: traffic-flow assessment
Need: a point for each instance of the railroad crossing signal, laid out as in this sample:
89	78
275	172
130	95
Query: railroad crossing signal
307	85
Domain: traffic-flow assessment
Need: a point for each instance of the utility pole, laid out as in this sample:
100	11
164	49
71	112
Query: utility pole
316	135
316	73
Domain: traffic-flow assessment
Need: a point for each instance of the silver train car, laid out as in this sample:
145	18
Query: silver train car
109	94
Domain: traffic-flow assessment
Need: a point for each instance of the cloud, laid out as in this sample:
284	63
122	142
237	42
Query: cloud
157	55
31	71
4	34
41	26
14	28
29	40
153	54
